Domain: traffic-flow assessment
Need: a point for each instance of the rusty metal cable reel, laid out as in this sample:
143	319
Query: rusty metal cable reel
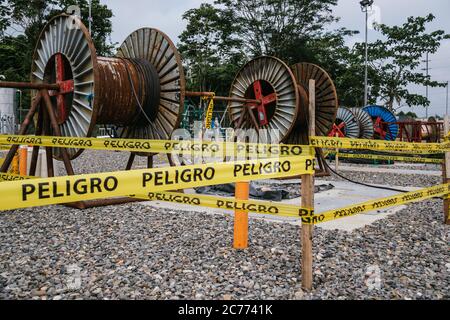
141	90
326	101
271	82
430	131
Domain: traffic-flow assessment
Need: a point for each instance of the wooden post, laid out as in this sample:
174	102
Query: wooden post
337	156
241	217
57	131
308	200
446	173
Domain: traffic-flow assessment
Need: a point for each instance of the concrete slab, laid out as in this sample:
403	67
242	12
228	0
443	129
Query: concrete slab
396	171
344	194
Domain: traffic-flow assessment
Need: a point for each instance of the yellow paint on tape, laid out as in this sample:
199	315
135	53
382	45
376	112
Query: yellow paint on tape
41	192
343	143
209	112
186	147
260	207
390	158
13	177
414	196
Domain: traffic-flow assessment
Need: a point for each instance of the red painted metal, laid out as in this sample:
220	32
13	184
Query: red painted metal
265	101
412	131
65	87
338	130
379	128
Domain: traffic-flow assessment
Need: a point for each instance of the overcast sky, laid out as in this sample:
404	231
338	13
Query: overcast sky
166	16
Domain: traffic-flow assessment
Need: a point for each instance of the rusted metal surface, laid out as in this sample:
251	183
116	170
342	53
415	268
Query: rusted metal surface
155	47
326	98
271	83
29	85
65	52
141	91
283	99
220	98
117	80
419	131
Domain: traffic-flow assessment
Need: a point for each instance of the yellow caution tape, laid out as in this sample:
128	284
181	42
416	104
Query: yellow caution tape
260	207
389	158
4	147
41	192
209	112
394	201
14	177
344	143
188	147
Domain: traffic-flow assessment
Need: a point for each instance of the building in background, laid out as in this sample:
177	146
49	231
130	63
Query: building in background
8	107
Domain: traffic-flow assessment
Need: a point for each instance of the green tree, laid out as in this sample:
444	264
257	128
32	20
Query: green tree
395	61
27	18
219	38
278	27
210	51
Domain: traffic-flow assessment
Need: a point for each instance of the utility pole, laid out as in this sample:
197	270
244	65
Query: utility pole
365	4
446	102
427	69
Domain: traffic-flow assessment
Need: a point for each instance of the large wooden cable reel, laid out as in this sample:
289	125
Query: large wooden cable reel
140	91
326	101
284	100
269	80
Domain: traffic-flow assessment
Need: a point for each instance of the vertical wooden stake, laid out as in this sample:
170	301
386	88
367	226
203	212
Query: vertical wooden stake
308	200
241	217
446	173
337	156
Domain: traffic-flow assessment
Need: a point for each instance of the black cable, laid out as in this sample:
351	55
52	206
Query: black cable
361	183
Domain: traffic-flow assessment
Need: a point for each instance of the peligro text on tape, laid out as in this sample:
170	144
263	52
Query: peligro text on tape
344	143
261	207
404	198
40	192
186	147
13	177
389	158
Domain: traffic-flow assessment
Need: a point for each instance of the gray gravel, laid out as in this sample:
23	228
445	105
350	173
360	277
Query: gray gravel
137	252
398	180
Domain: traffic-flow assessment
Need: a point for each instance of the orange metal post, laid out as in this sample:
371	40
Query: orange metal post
241	217
23	155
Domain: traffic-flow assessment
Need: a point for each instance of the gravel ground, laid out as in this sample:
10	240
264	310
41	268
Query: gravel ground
137	252
398	180
397	165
